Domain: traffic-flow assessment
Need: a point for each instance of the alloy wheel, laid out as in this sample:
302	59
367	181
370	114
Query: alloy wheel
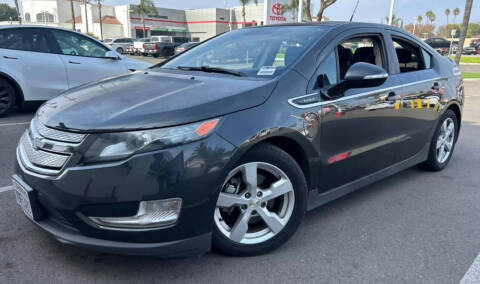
445	140
255	204
5	98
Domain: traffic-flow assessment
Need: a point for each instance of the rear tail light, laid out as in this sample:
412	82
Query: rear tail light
155	47
143	45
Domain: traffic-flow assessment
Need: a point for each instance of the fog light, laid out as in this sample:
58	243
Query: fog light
151	214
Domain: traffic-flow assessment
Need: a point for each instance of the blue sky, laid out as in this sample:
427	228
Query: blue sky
368	10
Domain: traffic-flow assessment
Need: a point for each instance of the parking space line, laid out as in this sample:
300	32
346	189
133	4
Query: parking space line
14	123
5	188
473	274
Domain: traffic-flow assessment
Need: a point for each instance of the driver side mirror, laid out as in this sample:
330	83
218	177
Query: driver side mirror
359	75
112	55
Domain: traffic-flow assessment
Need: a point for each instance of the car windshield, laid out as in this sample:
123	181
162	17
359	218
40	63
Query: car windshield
256	52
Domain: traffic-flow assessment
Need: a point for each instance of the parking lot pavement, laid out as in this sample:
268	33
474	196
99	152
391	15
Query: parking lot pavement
414	227
148	59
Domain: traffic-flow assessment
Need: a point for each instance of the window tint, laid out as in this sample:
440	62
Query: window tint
360	49
427	59
24	39
409	55
328	71
75	44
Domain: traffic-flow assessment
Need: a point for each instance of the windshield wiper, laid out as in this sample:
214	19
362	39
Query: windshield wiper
212	70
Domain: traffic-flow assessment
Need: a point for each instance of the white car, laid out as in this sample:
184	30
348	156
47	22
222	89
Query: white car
38	63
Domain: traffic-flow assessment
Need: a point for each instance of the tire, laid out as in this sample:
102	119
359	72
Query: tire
119	50
260	237
436	161
155	56
7	96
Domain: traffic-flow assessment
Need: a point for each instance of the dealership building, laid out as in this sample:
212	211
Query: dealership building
121	21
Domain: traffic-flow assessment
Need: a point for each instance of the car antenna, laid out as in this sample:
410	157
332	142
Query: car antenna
354	10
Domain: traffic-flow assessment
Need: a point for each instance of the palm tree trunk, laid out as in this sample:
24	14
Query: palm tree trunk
243	15
100	16
73	15
86	15
143	24
320	13
308	16
18	12
463	31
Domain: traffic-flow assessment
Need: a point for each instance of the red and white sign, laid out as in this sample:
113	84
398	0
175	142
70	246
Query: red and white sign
273	12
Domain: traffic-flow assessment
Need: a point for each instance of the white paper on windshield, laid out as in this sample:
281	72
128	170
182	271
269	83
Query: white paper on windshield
266	71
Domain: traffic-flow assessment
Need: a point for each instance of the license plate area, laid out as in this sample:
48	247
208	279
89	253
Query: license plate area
25	198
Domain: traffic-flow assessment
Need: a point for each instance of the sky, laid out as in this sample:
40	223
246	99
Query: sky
368	10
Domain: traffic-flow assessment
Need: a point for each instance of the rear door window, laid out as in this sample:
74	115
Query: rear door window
24	39
410	56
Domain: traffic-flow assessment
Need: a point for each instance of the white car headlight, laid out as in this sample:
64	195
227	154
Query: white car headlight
121	145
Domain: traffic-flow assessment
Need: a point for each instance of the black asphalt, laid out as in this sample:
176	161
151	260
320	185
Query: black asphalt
414	227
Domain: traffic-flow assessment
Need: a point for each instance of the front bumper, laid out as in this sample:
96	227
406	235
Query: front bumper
193	172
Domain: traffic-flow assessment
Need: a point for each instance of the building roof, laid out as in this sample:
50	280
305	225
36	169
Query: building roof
109	20
78	20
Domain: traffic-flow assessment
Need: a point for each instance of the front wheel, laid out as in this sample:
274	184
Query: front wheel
443	142
261	204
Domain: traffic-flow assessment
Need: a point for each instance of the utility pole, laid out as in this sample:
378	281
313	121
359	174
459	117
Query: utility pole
100	16
86	15
300	11
73	15
390	18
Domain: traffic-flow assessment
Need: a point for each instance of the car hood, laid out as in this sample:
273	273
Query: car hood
134	64
143	100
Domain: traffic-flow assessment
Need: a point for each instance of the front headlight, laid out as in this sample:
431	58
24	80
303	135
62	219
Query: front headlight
121	145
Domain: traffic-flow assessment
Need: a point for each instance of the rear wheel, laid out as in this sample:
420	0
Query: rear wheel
7	96
120	50
261	204
443	143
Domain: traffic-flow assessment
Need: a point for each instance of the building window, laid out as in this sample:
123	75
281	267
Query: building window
45	17
27	17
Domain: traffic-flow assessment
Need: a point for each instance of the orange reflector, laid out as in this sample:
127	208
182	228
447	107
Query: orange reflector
339	157
206	127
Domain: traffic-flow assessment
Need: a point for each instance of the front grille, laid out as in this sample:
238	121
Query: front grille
45	150
57	135
42	158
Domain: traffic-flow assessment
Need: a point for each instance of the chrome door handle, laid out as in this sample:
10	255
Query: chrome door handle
393	97
73	62
9	57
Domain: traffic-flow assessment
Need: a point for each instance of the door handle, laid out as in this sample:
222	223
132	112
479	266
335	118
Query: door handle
73	62
9	57
436	87
393	97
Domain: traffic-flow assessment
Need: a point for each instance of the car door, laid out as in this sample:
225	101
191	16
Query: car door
359	131
423	87
25	55
85	59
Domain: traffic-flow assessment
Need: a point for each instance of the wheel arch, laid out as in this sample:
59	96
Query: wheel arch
455	107
19	98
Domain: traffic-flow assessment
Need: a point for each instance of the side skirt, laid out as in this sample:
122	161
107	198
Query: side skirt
316	200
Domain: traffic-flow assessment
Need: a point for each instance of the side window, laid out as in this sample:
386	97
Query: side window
359	49
24	39
328	71
427	59
78	45
409	55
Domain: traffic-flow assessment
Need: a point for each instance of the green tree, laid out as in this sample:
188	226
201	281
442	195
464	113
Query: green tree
395	21
463	31
456	12
291	7
7	13
324	4
145	7
430	16
447	13
245	3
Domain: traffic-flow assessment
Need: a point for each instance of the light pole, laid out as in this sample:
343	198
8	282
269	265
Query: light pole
300	11
390	18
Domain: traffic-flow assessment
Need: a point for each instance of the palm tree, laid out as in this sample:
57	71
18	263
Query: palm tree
100	18
308	16
456	12
395	20
145	7
324	4
463	31
447	13
245	3
18	12
73	15
430	16
291	7
419	20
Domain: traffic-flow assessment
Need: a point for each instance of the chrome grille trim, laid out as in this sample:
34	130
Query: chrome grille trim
57	135
41	158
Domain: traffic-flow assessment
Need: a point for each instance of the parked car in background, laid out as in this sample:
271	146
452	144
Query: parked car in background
38	63
475	43
199	152
468	50
181	48
163	46
120	45
440	44
138	45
